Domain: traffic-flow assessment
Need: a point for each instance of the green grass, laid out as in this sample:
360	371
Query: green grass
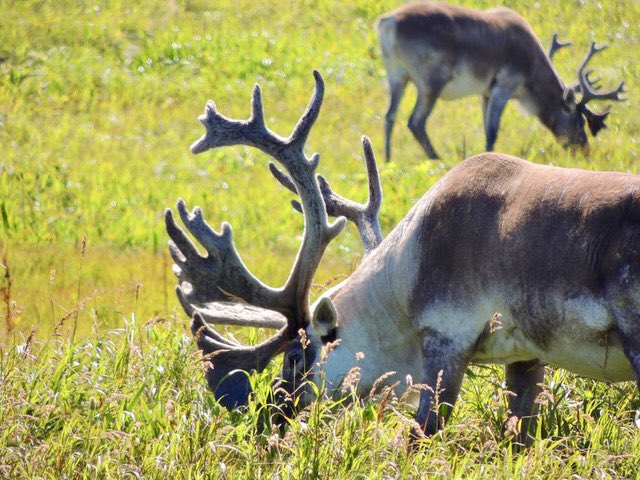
97	110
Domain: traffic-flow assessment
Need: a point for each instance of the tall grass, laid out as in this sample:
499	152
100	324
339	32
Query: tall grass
114	405
97	108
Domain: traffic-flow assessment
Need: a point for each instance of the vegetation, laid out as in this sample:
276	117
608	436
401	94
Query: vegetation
99	377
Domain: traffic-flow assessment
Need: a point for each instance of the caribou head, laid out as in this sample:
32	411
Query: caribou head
217	288
569	124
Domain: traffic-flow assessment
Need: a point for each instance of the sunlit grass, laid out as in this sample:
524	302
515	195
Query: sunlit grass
131	402
98	105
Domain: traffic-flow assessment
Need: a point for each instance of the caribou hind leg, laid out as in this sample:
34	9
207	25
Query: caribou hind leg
427	96
397	85
629	329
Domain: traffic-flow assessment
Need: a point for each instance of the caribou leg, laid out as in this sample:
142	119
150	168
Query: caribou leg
396	90
492	113
524	379
630	337
627	319
444	363
427	96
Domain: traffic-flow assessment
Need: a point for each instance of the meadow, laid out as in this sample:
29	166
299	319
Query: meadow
99	376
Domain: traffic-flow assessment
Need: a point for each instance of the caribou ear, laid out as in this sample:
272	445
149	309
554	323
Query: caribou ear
569	96
596	120
325	317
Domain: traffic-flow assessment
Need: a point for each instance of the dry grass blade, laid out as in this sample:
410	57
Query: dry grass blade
6	295
73	313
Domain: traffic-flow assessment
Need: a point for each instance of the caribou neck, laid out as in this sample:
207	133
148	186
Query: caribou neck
543	95
374	315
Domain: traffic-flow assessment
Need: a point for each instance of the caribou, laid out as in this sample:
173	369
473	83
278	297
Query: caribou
554	251
451	52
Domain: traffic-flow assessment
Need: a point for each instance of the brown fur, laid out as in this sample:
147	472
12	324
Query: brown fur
466	34
507	223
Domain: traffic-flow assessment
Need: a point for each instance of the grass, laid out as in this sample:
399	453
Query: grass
97	108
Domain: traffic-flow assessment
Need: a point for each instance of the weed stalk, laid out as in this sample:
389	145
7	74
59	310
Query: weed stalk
6	296
83	249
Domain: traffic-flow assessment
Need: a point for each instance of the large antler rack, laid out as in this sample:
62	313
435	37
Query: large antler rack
364	216
592	91
210	285
589	88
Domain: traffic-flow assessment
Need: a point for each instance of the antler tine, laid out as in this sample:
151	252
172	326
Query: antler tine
375	186
216	344
557	45
593	49
590	91
232	313
301	131
592	82
284	180
364	216
224	131
257	110
209	277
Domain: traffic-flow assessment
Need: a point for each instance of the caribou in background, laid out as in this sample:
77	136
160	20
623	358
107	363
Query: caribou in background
451	52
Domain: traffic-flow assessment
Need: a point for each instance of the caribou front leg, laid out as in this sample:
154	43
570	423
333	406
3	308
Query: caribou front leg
444	362
492	111
523	380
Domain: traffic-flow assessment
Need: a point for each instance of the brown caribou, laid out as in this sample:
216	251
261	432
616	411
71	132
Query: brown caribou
556	251
450	52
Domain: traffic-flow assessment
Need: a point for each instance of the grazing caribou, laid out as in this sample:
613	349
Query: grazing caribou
555	251
450	52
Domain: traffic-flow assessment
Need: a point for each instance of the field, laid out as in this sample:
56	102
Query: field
99	377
